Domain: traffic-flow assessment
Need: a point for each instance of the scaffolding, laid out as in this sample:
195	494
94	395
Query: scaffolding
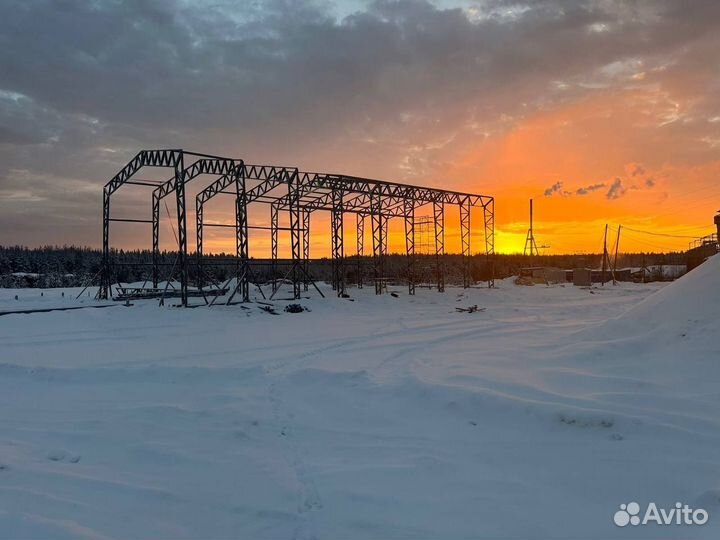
298	194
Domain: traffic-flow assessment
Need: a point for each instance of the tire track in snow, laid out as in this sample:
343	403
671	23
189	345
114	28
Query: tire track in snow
309	500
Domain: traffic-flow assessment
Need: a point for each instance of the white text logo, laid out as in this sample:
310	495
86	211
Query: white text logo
680	514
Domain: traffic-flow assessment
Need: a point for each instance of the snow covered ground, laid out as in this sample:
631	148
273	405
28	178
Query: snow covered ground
378	418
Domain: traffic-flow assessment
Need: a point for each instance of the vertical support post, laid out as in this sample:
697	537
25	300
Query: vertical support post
617	246
306	250
155	238
338	253
409	212
241	236
295	232
378	251
182	227
439	218
199	247
360	247
465	240
104	290
604	256
385	248
274	244
489	219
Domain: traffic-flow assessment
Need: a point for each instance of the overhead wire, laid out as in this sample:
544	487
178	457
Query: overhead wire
172	227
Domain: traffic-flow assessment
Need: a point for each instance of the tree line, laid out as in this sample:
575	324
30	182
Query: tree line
75	266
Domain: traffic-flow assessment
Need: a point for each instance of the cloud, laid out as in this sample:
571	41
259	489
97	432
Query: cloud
617	189
394	89
589	189
634	169
556	189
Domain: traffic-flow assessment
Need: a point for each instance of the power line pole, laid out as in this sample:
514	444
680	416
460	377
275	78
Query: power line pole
617	245
604	256
530	244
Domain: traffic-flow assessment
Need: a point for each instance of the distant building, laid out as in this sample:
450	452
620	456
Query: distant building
582	277
704	247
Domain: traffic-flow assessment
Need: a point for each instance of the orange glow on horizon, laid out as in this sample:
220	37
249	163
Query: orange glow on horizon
584	147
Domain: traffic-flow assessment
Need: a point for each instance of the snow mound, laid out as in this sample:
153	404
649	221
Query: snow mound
695	295
694	299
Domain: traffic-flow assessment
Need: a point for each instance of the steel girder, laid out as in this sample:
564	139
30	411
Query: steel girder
354	184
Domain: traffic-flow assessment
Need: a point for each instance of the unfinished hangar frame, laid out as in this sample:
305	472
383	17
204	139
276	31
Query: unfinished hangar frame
302	193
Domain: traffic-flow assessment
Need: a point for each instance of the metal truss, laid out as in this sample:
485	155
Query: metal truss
216	167
305	193
171	159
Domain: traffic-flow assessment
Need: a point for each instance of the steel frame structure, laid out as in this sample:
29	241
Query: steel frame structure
305	193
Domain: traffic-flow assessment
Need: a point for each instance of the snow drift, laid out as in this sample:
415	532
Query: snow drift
693	299
386	417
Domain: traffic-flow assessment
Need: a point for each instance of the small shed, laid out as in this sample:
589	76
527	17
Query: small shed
582	277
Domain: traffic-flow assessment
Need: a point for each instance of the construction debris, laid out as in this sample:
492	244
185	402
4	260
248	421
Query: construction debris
469	309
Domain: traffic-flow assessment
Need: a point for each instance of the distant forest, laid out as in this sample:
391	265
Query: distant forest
71	266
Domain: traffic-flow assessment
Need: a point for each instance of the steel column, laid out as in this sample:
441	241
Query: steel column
274	244
360	248
489	217
385	246
306	249
241	238
338	280
295	232
104	290
182	230
439	218
155	238
465	240
199	248
410	244
378	251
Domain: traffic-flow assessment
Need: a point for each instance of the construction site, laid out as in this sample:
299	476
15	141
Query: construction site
289	196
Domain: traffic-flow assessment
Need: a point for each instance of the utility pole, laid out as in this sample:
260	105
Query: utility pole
604	256
530	244
617	245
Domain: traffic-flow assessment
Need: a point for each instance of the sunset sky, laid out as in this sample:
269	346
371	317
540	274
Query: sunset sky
601	111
